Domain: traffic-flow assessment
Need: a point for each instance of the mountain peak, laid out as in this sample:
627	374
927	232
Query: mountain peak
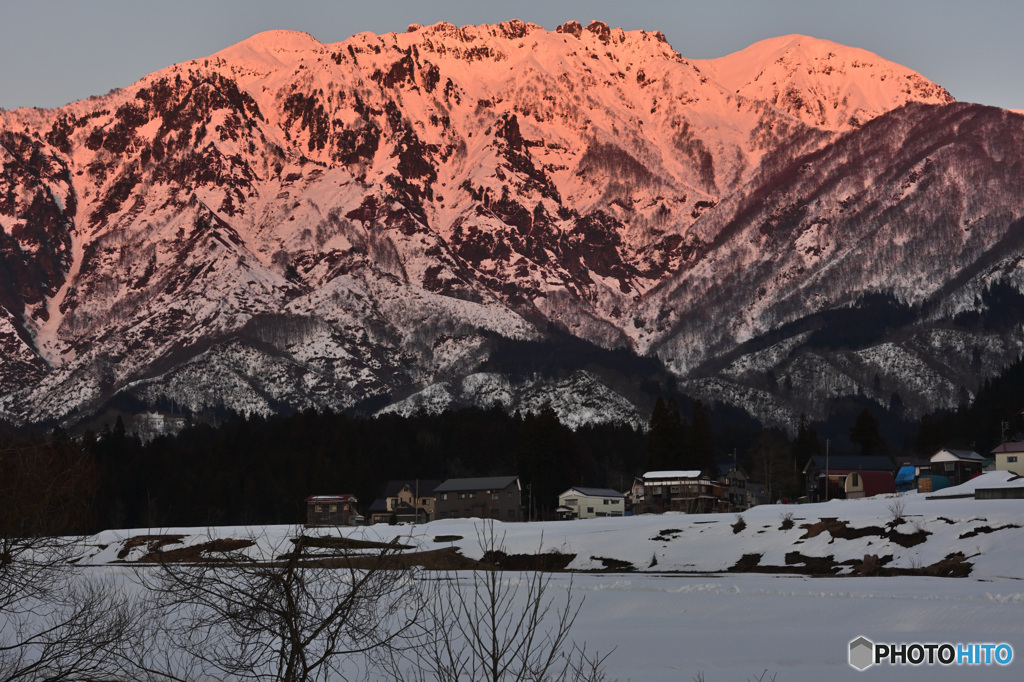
820	82
275	48
287	222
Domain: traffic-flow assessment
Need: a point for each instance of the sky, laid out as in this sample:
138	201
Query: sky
57	51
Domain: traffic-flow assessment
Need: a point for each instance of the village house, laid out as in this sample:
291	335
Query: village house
826	475
1010	457
590	503
958	466
410	501
868	484
738	492
332	510
495	497
635	495
685	491
910	472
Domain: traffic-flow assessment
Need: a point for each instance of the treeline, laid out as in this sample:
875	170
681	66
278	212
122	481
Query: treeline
995	414
260	470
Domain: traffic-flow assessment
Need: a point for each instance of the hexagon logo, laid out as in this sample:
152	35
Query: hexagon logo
862	653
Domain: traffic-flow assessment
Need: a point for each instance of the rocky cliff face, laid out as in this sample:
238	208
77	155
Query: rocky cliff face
287	224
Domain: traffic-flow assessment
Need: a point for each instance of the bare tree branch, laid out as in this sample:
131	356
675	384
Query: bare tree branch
285	614
494	626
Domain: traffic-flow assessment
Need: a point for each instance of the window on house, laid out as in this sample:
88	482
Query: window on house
334	507
462	496
607	501
571	502
674	489
494	496
318	509
472	495
856	480
444	496
656	490
590	510
511	513
1011	459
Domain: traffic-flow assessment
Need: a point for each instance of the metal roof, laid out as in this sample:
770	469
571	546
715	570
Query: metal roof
948	455
487	483
1009	446
594	492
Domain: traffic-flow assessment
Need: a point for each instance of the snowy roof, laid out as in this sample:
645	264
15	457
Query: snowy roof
694	473
593	492
327	499
985	481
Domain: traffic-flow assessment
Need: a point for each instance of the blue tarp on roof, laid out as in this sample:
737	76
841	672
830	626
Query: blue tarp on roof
906	475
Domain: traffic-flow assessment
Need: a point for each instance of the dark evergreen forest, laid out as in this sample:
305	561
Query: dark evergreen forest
260	470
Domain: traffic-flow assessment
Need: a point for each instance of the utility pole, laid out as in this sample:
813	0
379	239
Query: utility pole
828	443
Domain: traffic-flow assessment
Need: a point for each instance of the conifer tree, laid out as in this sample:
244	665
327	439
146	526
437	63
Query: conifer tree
701	451
865	434
806	444
665	440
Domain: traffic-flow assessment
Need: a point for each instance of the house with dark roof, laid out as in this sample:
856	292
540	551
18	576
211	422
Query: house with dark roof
958	466
408	501
494	497
736	480
689	491
590	503
332	510
826	475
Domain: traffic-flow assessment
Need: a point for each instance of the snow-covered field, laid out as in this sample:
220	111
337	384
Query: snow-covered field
687	615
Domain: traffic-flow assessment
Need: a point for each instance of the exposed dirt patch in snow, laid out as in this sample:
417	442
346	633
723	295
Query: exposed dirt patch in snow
153	543
840	529
952	566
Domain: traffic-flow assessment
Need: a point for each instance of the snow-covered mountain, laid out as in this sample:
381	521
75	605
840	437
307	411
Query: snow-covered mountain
287	224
